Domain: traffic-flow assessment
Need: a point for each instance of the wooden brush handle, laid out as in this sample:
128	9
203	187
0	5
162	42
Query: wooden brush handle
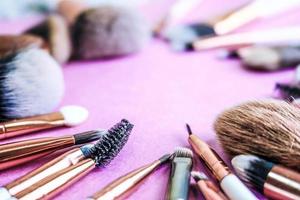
70	9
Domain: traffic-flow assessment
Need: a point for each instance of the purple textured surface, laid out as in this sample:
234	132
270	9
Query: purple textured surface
158	91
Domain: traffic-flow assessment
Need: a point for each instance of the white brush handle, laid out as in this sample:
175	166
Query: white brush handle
4	194
235	189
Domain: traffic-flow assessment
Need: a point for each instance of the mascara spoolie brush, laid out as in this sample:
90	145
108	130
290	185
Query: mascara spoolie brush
15	153
123	186
54	176
67	116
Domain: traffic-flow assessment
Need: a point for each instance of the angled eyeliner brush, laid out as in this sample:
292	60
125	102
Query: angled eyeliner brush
15	153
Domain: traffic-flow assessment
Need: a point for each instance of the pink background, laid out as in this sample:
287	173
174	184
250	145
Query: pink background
158	91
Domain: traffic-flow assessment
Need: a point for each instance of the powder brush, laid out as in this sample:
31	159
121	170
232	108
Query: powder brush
274	181
55	33
16	153
266	128
54	176
31	84
66	116
123	186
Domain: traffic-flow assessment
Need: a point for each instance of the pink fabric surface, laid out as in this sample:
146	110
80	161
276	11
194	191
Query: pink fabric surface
158	91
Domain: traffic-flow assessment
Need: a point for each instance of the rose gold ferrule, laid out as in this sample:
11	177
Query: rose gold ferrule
211	159
30	124
62	162
210	191
51	185
18	152
282	183
125	185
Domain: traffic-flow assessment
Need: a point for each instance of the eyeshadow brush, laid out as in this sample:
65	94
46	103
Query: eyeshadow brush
12	154
123	186
54	176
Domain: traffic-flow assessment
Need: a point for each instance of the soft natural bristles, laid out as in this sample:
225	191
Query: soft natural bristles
267	128
183	152
108	147
252	170
31	83
89	136
198	176
109	31
74	115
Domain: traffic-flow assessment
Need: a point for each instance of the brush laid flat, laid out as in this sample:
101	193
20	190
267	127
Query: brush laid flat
267	128
274	181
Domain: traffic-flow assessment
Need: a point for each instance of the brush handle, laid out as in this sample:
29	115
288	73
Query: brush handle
70	9
235	189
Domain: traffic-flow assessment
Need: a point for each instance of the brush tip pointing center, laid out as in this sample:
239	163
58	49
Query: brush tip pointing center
188	128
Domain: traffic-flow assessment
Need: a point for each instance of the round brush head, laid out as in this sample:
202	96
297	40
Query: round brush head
55	32
109	31
31	83
267	128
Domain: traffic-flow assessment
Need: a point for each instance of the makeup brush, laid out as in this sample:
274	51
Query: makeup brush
230	184
234	41
267	58
107	31
179	180
55	33
31	84
124	185
54	176
12	154
209	190
274	181
66	116
267	128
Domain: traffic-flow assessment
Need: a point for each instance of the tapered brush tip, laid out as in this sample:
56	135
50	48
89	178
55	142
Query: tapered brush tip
74	115
183	152
89	136
165	158
197	176
188	128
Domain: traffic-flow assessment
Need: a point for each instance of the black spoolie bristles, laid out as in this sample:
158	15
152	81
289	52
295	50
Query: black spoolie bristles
188	128
108	147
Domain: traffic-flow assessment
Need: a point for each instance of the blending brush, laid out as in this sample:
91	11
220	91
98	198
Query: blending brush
106	31
209	190
234	41
274	181
55	33
230	184
31	83
12	154
267	128
67	116
269	58
124	186
54	176
179	180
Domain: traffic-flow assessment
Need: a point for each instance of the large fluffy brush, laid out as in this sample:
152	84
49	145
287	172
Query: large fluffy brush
31	83
268	128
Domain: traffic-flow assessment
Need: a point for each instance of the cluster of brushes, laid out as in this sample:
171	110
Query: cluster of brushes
263	137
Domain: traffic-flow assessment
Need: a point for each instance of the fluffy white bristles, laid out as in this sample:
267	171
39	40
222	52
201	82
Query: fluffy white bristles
74	115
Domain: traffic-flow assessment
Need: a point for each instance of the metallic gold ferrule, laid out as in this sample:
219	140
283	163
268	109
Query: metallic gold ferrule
211	159
282	183
125	185
30	124
62	162
19	152
51	185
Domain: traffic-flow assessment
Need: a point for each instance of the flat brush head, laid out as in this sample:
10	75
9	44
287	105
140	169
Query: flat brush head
252	170
89	136
109	31
106	149
183	152
197	176
267	128
31	83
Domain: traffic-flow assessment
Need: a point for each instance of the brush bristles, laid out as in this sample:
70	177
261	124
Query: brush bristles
89	136
288	90
183	152
198	176
268	128
108	147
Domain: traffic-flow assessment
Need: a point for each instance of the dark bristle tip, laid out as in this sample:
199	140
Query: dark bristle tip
108	147
188	128
88	136
165	158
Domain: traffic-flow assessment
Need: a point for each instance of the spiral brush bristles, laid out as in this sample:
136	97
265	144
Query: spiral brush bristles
268	128
106	149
